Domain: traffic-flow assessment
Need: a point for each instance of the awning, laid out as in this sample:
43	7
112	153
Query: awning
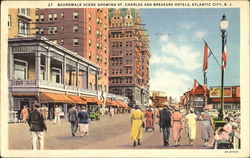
24	94
55	98
110	103
77	99
92	100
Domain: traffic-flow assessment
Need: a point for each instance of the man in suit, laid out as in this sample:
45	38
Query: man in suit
37	127
73	119
165	124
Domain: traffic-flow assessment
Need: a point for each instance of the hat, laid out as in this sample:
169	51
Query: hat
191	109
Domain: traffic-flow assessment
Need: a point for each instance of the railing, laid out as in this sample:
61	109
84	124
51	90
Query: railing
24	83
236	141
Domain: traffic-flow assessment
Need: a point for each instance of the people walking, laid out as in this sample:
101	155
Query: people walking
24	114
191	125
165	124
176	123
206	126
83	122
51	112
37	127
149	119
73	119
156	115
57	115
112	111
137	117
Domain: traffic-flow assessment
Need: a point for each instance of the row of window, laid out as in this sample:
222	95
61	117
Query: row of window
120	35
120	80
119	44
116	61
125	24
119	71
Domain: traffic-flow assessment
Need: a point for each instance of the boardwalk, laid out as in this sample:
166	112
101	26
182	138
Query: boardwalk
104	134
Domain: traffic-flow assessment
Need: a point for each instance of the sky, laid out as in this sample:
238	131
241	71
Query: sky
177	47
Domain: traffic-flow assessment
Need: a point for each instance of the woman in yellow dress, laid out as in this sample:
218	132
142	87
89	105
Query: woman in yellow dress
137	117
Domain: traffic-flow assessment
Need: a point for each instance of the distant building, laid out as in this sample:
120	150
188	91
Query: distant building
231	98
21	22
158	98
84	31
129	56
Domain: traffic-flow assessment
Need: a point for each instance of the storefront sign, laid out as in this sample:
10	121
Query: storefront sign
215	92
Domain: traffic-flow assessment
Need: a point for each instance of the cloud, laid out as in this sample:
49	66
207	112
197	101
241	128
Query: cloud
187	26
200	34
164	37
181	57
173	83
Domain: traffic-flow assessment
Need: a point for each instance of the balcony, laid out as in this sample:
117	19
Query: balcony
51	86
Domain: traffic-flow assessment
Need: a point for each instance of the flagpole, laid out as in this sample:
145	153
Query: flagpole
223	28
205	83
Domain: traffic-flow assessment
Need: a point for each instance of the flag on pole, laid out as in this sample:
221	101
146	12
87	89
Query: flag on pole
194	87
207	53
224	57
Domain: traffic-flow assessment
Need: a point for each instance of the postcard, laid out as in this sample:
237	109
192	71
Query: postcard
125	79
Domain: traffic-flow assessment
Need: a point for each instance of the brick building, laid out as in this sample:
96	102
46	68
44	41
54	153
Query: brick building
129	55
83	31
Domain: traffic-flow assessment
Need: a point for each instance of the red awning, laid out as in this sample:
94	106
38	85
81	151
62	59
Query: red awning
92	100
110	103
77	99
55	98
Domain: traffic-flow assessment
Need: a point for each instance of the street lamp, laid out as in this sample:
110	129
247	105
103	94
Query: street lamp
223	28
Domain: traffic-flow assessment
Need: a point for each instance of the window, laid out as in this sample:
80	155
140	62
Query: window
89	55
89	29
75	42
97	33
37	18
105	39
55	16
37	31
62	15
75	28
20	69
50	31
75	15
98	20
97	58
105	15
50	17
9	20
105	26
100	58
89	42
105	61
55	30
41	31
62	41
24	11
41	17
105	50
56	75
23	27
89	16
42	73
62	28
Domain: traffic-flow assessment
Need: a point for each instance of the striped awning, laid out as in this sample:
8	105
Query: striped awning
92	100
77	99
110	102
55	98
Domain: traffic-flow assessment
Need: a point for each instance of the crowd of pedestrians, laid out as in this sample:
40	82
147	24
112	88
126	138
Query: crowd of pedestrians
171	120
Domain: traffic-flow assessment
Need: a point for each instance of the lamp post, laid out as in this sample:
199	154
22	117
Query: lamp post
223	28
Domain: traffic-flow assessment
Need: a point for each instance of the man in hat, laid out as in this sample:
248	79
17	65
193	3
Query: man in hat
73	119
165	124
37	127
